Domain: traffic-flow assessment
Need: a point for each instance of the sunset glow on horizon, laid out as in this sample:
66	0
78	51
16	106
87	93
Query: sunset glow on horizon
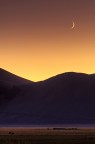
37	40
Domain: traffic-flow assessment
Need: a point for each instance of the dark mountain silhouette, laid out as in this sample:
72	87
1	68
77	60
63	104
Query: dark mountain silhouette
11	78
9	85
68	98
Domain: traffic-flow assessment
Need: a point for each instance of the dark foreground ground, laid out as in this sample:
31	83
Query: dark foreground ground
47	136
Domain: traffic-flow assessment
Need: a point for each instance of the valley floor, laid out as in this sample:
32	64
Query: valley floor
47	136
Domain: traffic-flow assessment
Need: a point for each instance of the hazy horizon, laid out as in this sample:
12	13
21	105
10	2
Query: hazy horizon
48	77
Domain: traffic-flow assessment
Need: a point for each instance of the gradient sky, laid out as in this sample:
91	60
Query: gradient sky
36	39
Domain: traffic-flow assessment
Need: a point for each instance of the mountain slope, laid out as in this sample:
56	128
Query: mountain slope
65	98
11	78
9	86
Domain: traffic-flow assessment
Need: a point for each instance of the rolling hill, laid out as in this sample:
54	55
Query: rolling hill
68	98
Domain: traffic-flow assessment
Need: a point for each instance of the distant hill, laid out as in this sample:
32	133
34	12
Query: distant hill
10	86
12	78
68	98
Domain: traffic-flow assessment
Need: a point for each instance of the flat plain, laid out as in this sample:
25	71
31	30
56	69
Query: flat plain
21	135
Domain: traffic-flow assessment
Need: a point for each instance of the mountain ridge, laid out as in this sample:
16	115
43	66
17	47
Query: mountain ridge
12	78
67	98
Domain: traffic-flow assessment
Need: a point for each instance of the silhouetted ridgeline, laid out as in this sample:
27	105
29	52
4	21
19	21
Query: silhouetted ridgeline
8	77
68	98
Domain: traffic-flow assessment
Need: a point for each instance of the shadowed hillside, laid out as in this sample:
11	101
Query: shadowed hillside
10	86
65	98
11	78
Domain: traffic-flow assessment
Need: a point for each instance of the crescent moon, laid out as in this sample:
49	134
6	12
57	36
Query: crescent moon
73	25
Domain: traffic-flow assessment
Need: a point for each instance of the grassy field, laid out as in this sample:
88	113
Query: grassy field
46	136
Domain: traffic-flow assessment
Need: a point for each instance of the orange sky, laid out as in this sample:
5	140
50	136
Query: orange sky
36	39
